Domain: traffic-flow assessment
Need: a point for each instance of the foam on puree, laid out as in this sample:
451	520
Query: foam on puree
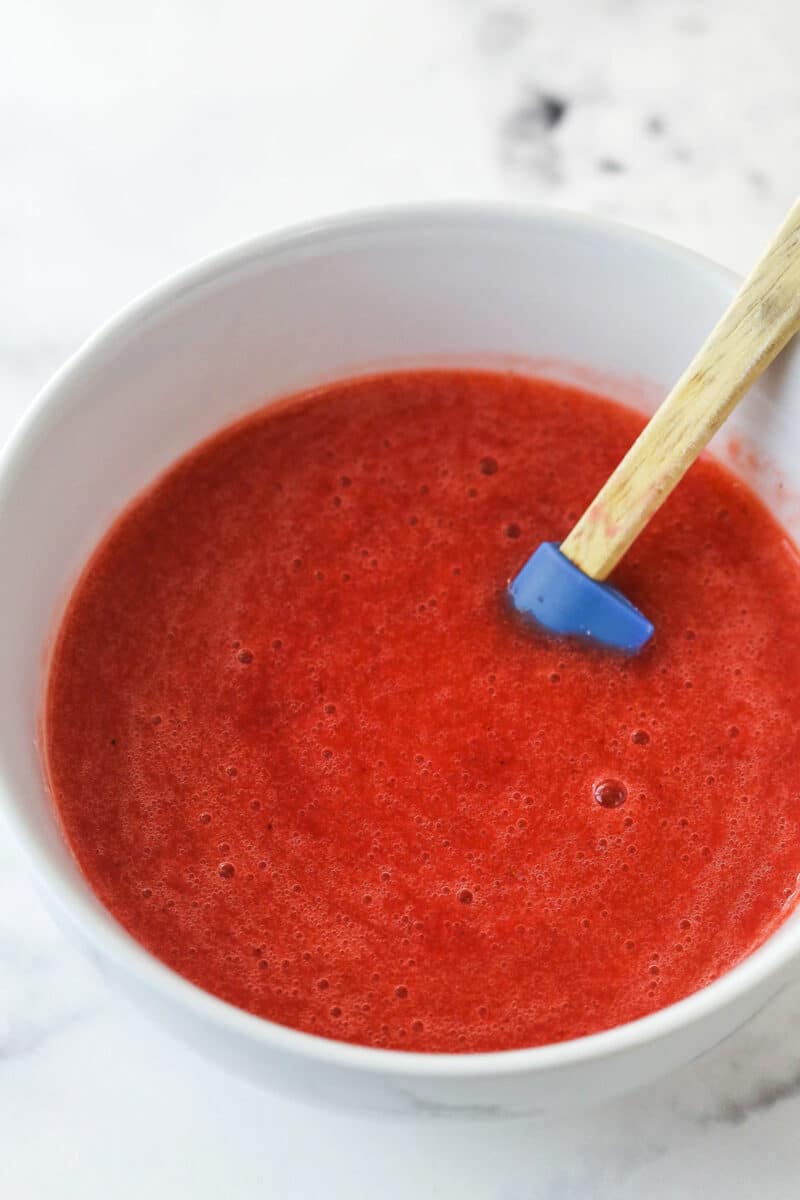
304	752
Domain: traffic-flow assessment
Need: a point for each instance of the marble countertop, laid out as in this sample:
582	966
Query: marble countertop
135	138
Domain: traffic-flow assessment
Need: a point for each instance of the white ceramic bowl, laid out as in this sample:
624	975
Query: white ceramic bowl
567	295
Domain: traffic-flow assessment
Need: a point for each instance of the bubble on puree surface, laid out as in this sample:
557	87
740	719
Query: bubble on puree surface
305	753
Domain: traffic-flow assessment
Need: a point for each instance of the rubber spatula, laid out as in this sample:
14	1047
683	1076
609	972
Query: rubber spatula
562	587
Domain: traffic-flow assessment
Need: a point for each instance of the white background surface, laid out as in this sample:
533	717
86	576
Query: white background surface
137	137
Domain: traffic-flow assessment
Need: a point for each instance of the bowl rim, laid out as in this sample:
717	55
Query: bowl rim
74	900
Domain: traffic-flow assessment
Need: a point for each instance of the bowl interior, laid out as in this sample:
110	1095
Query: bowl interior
547	293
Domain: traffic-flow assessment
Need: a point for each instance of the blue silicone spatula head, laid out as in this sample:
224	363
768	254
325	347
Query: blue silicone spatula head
566	602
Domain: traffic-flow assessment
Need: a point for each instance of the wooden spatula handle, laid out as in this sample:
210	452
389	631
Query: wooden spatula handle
760	321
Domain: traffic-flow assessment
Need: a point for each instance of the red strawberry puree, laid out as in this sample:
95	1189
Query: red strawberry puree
306	755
